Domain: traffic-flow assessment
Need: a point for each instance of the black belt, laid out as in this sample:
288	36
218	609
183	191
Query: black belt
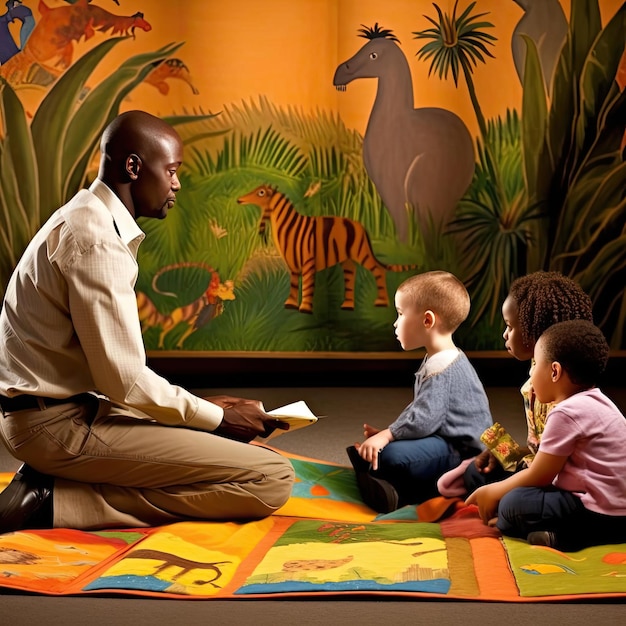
28	402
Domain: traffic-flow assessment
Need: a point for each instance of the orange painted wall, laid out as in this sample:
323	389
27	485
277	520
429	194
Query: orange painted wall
288	50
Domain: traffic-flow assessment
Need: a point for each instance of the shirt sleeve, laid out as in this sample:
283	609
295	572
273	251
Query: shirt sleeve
425	415
103	307
560	435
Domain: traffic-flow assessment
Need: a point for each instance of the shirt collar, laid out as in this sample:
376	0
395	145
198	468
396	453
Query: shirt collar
125	224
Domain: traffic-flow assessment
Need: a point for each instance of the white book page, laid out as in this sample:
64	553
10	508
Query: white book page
297	415
295	409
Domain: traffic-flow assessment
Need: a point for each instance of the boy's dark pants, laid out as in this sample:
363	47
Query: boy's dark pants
527	509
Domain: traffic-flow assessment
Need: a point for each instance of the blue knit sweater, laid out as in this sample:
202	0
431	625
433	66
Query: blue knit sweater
449	400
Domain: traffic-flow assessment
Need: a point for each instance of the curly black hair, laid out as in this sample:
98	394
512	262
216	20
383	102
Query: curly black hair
581	349
545	298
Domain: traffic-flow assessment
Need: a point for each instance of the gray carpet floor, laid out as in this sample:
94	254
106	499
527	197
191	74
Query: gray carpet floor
345	410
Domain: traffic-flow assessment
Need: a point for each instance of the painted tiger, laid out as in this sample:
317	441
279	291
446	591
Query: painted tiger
310	244
196	314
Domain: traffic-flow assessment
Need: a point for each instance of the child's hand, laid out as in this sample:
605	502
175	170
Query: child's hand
372	446
485	462
368	431
487	500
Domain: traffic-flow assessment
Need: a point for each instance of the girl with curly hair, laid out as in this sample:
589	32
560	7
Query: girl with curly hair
534	303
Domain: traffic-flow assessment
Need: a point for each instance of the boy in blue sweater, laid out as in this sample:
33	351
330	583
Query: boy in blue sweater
441	427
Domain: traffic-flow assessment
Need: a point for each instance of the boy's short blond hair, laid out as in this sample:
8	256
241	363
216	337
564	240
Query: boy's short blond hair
441	292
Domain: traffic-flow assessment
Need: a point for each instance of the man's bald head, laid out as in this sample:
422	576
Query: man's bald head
133	132
140	156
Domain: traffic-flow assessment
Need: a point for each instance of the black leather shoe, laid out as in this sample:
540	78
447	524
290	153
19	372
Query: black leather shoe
542	538
377	493
27	501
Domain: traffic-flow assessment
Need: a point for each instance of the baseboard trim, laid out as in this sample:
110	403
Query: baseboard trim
206	370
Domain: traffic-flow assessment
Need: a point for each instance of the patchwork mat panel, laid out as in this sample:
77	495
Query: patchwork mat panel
324	541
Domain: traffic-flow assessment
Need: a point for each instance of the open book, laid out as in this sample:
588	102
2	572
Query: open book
297	415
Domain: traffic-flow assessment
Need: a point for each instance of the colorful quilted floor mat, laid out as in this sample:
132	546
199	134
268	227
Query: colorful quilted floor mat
324	541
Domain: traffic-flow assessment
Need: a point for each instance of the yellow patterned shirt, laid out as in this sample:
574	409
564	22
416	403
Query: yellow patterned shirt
536	416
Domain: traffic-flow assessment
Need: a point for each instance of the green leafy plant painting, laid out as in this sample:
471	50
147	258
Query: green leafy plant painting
548	192
35	179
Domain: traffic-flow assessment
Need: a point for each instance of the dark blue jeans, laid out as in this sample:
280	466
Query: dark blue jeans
526	509
474	479
413	466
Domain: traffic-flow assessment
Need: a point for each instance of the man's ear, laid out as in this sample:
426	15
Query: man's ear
429	319
556	371
133	165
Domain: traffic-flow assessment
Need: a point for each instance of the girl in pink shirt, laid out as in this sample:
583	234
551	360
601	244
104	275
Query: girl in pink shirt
573	495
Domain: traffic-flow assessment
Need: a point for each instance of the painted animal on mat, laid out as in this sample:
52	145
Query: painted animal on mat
310	244
185	565
196	314
421	159
314	565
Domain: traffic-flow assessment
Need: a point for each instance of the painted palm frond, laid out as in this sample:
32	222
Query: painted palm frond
19	194
495	235
456	43
264	149
574	166
72	124
322	131
495	242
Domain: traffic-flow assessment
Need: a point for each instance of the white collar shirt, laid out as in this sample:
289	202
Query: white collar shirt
70	323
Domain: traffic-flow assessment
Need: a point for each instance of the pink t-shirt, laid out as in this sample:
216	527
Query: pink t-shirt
591	431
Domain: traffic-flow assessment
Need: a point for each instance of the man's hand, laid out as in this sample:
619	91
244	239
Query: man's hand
244	419
485	462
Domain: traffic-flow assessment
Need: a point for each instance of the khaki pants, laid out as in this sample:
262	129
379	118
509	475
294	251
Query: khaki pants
113	469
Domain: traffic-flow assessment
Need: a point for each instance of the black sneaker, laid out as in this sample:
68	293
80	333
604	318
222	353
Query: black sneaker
542	538
377	493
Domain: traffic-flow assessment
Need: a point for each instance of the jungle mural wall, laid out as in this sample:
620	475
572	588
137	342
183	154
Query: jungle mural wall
333	148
